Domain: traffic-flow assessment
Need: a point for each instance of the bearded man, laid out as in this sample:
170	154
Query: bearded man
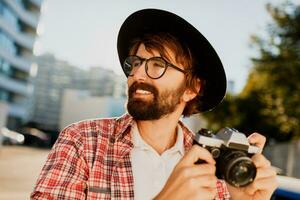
147	153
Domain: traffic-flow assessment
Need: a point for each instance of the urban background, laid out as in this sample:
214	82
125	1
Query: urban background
40	94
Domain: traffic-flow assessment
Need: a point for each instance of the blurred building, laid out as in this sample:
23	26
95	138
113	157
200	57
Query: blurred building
88	106
285	156
54	76
104	82
195	122
3	118
18	24
230	86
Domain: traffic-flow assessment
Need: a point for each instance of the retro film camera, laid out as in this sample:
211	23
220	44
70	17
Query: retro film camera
231	151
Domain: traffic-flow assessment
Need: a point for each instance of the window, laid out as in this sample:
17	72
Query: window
1	7
9	16
4	95
7	44
20	2
5	68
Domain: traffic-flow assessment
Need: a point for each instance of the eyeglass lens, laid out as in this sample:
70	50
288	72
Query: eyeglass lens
155	67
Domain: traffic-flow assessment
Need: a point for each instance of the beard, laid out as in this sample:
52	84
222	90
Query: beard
159	105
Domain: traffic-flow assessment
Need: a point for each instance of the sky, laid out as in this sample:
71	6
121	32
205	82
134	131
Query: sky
84	32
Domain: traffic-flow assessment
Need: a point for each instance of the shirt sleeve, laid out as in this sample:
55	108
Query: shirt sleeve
65	172
222	191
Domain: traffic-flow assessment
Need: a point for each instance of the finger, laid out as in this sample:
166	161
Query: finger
257	140
198	170
265	184
260	161
204	193
207	181
265	172
194	154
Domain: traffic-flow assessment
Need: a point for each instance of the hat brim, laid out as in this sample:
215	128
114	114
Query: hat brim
208	63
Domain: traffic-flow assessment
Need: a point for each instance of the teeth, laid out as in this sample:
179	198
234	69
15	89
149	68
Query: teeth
138	91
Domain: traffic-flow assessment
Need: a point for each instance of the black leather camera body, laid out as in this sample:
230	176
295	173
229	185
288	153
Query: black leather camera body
231	151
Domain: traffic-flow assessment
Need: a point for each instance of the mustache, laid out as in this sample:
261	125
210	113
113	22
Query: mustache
142	86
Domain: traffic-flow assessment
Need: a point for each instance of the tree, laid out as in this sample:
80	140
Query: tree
270	101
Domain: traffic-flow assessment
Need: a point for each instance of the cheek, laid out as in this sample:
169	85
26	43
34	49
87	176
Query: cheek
172	82
129	81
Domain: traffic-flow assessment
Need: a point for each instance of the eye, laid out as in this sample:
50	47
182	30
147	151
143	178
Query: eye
158	63
136	63
127	66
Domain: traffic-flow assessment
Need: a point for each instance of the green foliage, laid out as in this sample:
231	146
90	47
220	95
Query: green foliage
270	101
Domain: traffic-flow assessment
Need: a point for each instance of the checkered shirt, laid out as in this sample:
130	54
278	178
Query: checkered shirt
91	160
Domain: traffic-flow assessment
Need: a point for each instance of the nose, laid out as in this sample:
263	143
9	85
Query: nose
140	73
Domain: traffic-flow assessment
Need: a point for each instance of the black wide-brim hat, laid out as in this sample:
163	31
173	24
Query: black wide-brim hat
208	64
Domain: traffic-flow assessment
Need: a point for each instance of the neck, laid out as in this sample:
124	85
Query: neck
160	134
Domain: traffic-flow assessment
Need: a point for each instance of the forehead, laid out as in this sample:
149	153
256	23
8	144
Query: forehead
143	51
167	54
166	46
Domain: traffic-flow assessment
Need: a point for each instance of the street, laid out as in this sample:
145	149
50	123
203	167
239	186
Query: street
19	169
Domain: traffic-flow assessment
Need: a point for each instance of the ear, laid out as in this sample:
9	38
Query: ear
189	93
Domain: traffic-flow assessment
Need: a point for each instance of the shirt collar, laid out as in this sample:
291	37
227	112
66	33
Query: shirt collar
179	146
125	122
137	140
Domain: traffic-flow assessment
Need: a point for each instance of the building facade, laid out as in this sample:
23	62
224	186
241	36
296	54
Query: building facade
55	76
88	106
18	24
52	77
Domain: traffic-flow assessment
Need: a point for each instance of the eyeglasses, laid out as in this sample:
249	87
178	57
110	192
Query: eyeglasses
155	66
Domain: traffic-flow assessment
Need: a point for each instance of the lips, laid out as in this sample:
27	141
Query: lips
141	89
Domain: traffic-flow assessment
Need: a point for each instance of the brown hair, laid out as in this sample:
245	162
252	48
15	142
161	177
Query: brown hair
183	56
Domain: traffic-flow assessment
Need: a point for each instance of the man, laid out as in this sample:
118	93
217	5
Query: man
172	70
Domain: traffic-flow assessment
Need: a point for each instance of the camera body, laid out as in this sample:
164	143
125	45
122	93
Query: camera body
231	151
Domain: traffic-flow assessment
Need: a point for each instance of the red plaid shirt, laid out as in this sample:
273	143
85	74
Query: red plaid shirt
91	160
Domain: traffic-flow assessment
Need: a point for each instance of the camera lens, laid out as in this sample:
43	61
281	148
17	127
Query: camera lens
237	169
241	172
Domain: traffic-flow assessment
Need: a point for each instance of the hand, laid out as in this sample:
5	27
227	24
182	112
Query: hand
191	181
264	183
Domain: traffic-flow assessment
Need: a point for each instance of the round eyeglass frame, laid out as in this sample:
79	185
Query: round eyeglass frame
167	64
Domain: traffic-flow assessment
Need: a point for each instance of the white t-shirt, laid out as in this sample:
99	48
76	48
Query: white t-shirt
151	170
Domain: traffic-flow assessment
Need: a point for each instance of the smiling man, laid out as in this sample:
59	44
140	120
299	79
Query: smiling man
172	70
